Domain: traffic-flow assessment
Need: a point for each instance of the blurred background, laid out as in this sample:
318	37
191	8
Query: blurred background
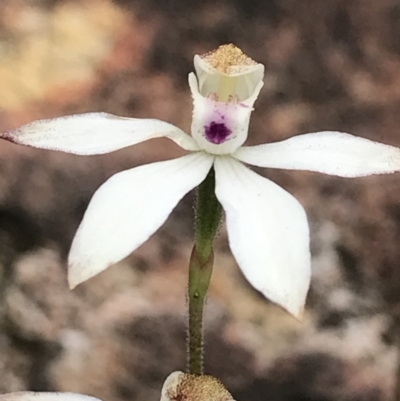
330	65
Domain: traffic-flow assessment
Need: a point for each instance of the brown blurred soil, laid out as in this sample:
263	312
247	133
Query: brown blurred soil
330	65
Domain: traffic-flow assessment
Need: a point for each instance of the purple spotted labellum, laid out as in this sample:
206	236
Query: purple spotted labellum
217	132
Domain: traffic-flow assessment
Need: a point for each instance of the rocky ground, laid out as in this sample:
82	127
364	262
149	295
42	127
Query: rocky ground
330	64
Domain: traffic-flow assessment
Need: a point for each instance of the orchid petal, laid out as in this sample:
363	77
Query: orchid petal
128	209
95	133
334	153
34	396
268	233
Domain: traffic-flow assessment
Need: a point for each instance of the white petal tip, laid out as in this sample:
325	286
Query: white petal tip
72	280
298	313
72	286
77	276
297	310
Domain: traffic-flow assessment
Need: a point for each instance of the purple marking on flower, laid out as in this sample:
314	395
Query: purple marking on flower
217	132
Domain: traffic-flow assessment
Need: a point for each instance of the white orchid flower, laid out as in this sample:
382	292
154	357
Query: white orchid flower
267	227
38	396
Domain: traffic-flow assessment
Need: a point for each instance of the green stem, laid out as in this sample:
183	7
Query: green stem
199	280
208	217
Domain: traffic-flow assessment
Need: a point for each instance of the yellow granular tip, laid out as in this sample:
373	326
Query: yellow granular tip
199	388
227	59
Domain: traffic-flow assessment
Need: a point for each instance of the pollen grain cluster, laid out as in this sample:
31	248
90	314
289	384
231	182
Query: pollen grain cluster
228	59
199	388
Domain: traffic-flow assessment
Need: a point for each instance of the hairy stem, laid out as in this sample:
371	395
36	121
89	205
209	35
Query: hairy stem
208	217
